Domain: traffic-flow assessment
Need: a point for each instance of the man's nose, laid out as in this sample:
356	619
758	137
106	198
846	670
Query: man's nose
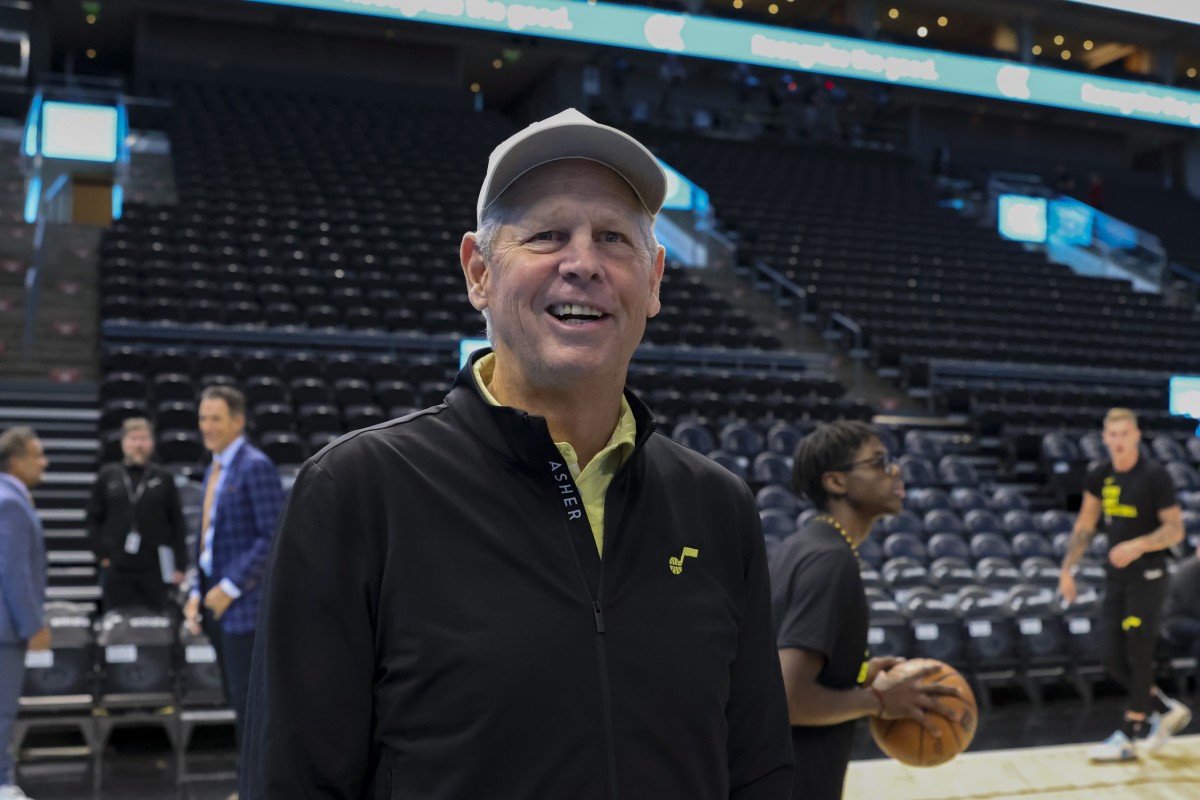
581	259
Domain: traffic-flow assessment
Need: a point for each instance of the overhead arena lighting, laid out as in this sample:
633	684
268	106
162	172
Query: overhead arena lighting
1175	10
706	37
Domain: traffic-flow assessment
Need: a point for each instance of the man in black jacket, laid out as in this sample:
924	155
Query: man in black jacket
526	591
135	511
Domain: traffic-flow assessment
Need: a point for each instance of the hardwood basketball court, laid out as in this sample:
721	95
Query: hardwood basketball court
1036	773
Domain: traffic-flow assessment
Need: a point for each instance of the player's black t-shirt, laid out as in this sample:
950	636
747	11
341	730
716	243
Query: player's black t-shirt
818	604
1130	501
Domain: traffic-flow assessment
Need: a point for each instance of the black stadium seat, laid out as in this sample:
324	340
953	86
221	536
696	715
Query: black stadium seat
941	521
771	468
777	523
181	448
990	545
284	449
966	499
905	545
889	633
948	545
981	520
903	522
777	496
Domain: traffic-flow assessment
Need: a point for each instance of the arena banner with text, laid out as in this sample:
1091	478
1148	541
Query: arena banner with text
706	37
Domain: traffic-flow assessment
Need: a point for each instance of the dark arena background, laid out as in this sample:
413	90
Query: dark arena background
973	224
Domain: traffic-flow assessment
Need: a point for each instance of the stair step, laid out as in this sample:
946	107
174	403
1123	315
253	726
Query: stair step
53	479
44	391
56	556
73	593
49	414
62	514
53	432
68	542
60	500
71	576
86	445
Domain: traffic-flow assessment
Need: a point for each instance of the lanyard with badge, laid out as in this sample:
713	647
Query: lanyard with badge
133	541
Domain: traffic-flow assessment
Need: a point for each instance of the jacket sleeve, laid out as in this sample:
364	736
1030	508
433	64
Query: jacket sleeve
97	510
310	704
760	742
266	500
17	584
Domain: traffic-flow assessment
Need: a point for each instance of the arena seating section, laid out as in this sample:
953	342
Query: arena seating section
862	232
310	219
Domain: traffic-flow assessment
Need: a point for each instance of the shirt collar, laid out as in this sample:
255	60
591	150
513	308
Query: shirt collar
226	457
623	436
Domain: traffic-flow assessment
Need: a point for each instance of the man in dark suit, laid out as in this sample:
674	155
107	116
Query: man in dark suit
243	497
22	583
134	513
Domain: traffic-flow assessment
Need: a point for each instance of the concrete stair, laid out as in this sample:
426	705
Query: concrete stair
64	417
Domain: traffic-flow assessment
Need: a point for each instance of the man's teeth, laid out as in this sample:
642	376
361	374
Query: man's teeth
573	310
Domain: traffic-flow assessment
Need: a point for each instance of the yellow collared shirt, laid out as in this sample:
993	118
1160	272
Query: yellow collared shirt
594	479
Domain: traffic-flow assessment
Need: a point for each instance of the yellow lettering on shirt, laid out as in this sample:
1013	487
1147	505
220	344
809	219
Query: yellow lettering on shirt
1111	498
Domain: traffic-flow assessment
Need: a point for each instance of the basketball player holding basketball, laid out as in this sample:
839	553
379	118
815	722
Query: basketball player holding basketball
1142	519
819	609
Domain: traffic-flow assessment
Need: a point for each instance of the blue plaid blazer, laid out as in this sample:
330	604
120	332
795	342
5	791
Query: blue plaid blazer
243	527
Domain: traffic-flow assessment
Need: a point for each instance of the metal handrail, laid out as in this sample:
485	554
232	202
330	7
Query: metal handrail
857	352
942	369
784	284
840	319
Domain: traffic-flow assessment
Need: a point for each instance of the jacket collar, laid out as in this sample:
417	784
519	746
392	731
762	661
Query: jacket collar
21	489
516	436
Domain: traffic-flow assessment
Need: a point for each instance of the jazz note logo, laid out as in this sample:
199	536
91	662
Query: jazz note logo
676	564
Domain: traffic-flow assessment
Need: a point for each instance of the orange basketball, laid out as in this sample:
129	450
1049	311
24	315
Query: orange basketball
909	743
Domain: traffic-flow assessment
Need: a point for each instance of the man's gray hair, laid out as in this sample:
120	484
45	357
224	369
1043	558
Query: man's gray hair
493	218
14	443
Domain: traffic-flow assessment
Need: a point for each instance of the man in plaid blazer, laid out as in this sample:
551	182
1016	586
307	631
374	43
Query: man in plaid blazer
243	498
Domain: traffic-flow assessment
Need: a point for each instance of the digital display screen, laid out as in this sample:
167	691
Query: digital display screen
1174	10
1022	218
1114	233
468	346
784	48
1071	222
1184	396
79	132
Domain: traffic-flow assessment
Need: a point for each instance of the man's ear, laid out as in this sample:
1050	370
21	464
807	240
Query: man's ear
834	483
656	274
476	272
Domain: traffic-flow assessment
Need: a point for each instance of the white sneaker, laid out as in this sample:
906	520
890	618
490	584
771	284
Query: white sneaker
11	791
1115	748
1164	726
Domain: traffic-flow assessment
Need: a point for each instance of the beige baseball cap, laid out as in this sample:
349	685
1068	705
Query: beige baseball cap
570	134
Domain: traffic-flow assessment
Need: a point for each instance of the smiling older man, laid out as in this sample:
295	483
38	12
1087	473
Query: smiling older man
526	591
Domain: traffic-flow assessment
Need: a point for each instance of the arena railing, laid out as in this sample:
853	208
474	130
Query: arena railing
196	337
945	372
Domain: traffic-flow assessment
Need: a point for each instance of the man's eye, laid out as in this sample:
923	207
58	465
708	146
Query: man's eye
613	237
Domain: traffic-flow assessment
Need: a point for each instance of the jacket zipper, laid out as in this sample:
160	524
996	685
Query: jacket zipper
602	657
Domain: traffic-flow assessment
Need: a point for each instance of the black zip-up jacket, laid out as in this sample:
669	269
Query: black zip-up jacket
160	519
434	626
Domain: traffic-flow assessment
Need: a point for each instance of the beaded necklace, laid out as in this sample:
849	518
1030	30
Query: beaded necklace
829	520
